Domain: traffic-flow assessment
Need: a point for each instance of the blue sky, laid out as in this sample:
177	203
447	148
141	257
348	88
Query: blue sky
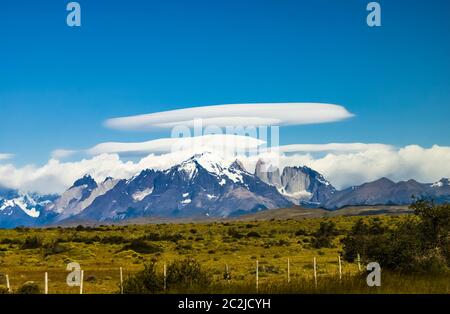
58	84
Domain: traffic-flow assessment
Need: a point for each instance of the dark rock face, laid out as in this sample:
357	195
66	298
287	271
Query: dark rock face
299	184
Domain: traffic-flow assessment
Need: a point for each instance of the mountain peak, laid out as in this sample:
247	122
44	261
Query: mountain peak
441	183
85	180
214	165
108	178
384	180
237	164
210	162
263	166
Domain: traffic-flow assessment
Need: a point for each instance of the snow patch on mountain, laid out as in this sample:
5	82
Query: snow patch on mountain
213	164
186	201
299	194
140	195
437	184
441	183
25	203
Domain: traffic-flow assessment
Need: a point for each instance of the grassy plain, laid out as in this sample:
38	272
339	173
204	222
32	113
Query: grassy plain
102	250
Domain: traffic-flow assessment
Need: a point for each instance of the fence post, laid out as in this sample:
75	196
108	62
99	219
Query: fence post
121	280
359	261
81	281
228	273
257	275
315	272
340	268
46	283
165	276
8	286
288	271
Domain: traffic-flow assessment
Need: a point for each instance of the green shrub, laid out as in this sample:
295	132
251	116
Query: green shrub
145	282
253	234
186	273
113	240
163	237
91	278
3	289
321	242
232	232
80	228
323	237
143	247
301	232
10	241
55	248
184	247
29	287
416	244
32	243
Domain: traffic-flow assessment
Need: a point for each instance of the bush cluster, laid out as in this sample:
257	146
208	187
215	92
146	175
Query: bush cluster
181	275
416	244
323	237
143	247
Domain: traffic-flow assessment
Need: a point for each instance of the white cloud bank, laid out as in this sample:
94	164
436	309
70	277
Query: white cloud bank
343	167
62	153
6	156
212	142
235	115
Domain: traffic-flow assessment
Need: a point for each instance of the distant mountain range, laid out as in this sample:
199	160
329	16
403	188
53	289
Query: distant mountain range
203	186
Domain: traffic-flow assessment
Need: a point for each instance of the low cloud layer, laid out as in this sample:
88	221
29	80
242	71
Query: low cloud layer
5	156
216	142
346	169
62	153
235	115
333	147
341	166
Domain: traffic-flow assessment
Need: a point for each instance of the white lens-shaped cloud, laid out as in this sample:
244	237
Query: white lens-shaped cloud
6	156
213	143
235	115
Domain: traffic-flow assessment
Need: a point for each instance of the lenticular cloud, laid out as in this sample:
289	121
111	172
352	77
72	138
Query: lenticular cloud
235	115
213	142
5	156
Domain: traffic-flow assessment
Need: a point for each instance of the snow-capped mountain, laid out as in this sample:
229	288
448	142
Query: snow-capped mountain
80	196
387	192
301	185
204	185
18	208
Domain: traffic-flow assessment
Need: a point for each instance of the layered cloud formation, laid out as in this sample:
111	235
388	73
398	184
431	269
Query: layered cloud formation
343	164
343	167
235	115
5	156
217	142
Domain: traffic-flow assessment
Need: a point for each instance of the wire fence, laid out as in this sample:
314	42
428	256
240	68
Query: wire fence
259	271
